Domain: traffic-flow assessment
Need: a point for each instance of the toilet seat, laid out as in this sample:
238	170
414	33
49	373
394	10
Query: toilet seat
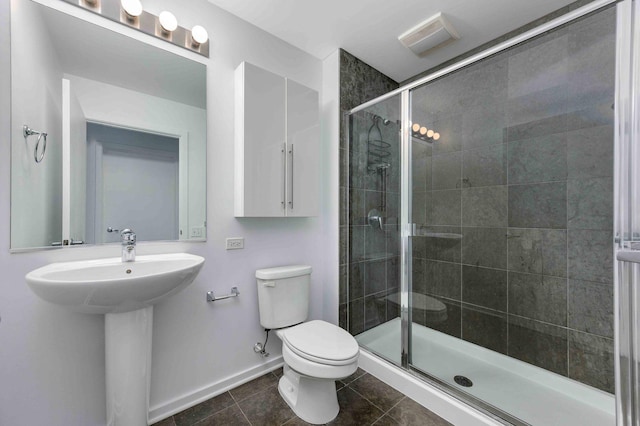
321	342
317	370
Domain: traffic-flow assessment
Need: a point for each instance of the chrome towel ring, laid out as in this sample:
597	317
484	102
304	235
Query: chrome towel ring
26	132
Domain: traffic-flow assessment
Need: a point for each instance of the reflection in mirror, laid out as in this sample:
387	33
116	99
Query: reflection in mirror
126	135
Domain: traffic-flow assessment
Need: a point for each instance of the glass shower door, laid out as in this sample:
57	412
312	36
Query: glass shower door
374	228
511	294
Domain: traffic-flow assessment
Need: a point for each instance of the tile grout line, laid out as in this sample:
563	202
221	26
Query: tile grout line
243	414
240	408
394	406
372	403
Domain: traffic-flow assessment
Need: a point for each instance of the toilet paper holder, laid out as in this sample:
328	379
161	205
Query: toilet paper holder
212	298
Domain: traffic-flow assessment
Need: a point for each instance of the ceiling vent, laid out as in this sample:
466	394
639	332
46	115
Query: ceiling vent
433	33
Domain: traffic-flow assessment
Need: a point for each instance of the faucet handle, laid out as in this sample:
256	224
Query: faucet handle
128	236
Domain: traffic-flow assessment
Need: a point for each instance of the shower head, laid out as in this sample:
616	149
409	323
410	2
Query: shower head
385	121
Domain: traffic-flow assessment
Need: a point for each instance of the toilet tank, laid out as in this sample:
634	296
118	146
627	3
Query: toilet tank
283	295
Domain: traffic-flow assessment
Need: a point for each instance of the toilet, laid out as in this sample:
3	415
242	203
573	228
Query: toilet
316	353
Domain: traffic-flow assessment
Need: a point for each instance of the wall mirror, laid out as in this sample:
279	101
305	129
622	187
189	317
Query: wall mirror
125	143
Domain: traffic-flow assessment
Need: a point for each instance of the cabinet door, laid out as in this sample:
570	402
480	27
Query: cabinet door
303	151
260	140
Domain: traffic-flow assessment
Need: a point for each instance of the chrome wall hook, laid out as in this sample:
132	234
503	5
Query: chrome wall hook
26	132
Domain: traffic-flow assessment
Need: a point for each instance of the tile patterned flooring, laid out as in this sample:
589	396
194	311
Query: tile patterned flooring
363	399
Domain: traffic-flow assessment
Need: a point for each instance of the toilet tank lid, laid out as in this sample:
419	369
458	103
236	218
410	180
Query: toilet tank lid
283	272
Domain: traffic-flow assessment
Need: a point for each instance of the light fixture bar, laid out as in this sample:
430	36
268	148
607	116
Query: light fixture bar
148	24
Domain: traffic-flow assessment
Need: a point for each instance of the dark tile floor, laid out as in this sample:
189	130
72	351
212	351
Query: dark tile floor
363	399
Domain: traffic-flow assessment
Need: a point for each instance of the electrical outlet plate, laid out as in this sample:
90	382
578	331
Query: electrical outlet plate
235	243
197	232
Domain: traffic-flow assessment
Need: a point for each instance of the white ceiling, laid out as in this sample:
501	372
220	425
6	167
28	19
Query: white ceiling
369	29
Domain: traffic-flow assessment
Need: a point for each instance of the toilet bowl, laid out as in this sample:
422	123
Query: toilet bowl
316	353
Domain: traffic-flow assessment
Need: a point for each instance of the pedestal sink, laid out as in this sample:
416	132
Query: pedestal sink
125	293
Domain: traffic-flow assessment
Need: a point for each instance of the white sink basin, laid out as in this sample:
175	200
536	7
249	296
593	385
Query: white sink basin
110	286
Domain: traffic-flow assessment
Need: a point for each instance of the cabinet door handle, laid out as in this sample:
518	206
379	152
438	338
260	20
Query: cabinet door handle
291	199
284	175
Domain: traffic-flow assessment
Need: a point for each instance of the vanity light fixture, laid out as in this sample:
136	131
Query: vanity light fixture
92	5
133	8
164	26
199	35
168	21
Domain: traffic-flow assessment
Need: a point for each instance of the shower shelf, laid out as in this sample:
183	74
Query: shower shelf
442	235
378	256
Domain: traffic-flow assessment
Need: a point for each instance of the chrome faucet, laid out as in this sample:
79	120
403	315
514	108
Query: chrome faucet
128	245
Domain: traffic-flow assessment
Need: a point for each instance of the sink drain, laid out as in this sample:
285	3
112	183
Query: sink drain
463	381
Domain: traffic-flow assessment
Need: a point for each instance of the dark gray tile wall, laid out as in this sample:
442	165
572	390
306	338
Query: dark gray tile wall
369	265
523	173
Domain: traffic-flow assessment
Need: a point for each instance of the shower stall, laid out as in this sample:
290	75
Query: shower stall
487	202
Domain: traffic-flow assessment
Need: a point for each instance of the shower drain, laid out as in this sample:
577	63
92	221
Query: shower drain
463	381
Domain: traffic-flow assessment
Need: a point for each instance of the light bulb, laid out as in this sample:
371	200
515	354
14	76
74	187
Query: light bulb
415	127
168	21
423	131
436	136
430	133
199	34
132	8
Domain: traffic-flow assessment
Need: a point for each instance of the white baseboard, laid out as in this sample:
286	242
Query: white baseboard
167	409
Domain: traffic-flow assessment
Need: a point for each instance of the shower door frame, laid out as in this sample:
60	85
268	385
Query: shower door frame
627	65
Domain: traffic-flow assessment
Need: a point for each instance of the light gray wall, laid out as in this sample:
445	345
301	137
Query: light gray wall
53	360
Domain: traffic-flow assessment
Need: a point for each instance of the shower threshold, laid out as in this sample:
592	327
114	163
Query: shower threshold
534	395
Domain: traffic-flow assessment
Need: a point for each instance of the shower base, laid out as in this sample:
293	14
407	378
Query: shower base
532	394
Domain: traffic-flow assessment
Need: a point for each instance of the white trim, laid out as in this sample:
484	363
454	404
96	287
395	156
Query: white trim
167	409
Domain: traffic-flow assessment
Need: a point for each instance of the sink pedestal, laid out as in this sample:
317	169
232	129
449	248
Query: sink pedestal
125	293
128	366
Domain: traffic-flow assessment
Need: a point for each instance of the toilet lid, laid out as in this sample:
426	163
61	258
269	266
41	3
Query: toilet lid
321	341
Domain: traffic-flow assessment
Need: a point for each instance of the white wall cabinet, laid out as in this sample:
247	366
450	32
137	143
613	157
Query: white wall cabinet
277	146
